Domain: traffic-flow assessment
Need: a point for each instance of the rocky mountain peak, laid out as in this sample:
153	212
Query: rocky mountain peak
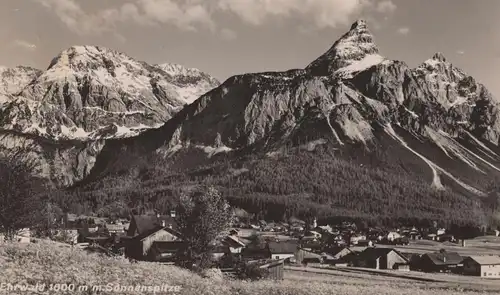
439	56
354	51
189	78
81	60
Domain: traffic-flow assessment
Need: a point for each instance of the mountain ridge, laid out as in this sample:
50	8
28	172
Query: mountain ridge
392	125
89	94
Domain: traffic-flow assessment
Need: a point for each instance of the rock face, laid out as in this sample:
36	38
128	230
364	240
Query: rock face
87	95
353	52
350	95
13	80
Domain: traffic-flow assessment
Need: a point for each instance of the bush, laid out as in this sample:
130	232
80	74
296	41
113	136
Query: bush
251	271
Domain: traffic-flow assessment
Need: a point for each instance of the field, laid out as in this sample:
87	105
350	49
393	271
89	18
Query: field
415	281
50	263
487	245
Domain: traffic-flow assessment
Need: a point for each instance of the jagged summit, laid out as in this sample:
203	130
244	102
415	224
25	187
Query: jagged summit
189	75
85	58
439	56
360	24
354	51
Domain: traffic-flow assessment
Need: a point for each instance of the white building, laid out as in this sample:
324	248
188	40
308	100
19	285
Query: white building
482	266
391	236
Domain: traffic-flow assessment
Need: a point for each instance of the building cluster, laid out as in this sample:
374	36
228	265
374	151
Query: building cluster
155	237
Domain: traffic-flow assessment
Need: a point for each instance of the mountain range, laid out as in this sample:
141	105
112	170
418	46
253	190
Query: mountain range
63	116
353	133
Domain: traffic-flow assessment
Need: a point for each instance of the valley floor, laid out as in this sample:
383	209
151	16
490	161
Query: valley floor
388	282
487	245
51	263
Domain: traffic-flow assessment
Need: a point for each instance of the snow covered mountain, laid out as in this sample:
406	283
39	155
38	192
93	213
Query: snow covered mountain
86	95
433	122
90	92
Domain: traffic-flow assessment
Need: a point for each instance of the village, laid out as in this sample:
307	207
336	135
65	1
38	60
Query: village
275	246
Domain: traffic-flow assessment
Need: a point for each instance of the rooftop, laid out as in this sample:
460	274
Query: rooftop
486	259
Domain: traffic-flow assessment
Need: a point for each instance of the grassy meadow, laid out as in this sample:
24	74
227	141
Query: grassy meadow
48	263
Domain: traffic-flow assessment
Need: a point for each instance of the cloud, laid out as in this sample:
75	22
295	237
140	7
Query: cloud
386	6
200	14
404	30
24	44
461	52
317	13
228	34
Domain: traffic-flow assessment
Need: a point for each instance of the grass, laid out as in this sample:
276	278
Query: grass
51	263
487	245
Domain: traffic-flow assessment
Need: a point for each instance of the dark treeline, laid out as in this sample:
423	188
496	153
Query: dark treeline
298	183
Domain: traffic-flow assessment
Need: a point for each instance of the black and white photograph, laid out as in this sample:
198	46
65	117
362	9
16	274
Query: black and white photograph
250	147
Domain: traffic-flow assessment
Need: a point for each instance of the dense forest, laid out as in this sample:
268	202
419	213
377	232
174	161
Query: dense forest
326	183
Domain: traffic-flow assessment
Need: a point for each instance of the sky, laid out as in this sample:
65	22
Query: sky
229	37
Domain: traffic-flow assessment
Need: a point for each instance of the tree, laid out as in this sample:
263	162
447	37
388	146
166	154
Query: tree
50	217
20	194
202	215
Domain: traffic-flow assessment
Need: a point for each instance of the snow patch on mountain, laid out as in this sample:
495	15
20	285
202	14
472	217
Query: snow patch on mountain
356	66
189	83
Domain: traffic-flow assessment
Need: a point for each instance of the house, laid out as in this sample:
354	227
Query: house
337	254
165	251
144	230
283	250
246	233
414	235
391	236
446	238
356	238
310	245
235	244
440	262
114	228
494	232
140	224
381	258
482	266
303	256
440	231
275	269
324	229
256	252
